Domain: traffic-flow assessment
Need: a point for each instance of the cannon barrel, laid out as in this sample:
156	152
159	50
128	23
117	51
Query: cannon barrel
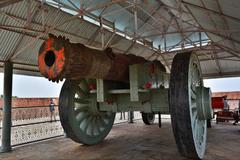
58	59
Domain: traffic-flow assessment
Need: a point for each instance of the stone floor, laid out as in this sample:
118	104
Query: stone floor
132	142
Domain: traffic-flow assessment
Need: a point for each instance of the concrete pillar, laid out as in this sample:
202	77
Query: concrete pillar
131	116
7	107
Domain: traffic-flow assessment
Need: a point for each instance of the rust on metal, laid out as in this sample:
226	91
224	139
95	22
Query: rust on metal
58	59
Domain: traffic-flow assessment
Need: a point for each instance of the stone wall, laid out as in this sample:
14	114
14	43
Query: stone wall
30	108
29	102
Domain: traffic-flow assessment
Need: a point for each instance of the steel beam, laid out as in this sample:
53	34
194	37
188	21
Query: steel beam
68	20
211	11
30	17
7	107
135	20
229	50
8	2
224	75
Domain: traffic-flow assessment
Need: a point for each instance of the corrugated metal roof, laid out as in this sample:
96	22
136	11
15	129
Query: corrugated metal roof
164	23
218	16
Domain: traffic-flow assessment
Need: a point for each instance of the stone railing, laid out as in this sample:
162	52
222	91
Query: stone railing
31	124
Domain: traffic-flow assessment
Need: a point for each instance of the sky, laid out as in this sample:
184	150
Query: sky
28	86
223	84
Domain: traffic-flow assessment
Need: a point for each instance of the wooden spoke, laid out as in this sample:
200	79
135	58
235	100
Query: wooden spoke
79	114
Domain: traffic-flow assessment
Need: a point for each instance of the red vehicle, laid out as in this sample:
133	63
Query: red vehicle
221	109
217	103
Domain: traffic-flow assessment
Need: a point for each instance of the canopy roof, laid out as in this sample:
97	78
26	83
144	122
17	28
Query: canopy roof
153	29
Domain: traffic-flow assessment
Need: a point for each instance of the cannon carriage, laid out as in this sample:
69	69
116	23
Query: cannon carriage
100	83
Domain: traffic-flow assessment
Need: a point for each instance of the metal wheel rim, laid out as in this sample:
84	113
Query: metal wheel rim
184	103
151	117
198	126
85	123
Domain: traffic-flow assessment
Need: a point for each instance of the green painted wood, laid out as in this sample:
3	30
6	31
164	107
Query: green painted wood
137	97
208	103
160	101
100	90
152	101
80	116
133	77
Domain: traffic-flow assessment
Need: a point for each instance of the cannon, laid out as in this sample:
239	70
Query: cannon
100	83
60	59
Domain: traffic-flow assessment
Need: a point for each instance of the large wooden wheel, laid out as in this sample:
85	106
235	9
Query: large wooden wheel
148	118
79	114
186	105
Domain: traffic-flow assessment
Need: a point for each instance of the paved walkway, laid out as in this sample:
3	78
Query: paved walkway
132	142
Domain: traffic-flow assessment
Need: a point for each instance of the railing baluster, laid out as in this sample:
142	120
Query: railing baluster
31	124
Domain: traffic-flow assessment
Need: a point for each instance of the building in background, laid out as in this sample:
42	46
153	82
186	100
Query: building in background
30	108
232	98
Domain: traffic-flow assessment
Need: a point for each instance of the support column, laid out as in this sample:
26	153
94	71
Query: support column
7	107
130	116
159	120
